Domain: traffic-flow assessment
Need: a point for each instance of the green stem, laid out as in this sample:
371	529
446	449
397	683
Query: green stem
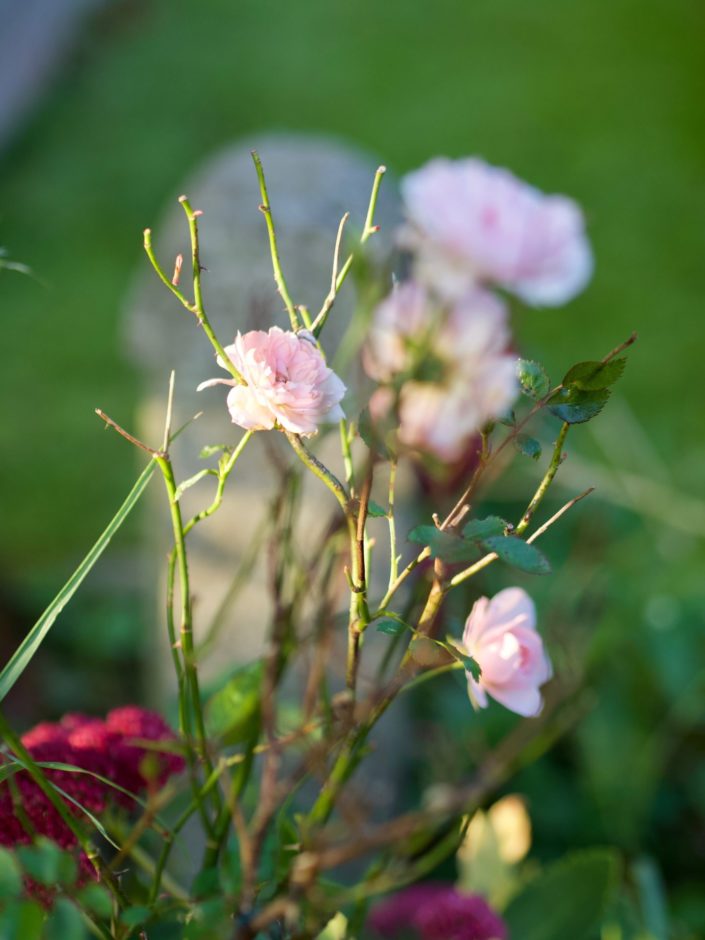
538	496
198	308
223	474
339	277
279	279
186	636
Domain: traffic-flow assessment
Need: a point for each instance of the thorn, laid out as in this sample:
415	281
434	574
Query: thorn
177	270
197	213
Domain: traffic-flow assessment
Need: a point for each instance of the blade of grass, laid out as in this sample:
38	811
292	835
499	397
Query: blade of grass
22	656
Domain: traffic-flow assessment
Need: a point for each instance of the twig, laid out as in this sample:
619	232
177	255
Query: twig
368	229
126	434
279	279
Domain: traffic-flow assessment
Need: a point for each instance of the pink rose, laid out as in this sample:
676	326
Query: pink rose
471	222
465	343
500	634
288	382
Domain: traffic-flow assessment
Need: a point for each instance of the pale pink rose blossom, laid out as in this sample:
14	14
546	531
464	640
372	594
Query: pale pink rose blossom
288	382
466	342
500	634
474	223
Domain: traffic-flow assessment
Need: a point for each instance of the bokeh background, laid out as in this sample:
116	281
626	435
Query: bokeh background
106	107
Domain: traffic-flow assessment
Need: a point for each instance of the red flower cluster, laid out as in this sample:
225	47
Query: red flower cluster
113	748
438	912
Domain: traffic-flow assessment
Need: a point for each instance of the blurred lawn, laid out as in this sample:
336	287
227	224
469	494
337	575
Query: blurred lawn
602	100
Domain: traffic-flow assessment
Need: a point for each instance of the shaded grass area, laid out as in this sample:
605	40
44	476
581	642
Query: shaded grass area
601	100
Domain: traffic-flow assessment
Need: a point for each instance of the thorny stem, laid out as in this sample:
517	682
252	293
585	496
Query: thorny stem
321	471
279	279
359	610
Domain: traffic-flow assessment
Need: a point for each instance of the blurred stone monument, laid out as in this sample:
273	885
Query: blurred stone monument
312	182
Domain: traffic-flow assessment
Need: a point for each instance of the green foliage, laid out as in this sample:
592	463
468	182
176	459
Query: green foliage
519	554
47	863
96	899
480	529
565	900
233	711
10	875
528	446
443	545
135	916
533	379
575	406
64	922
652	897
22	920
390	627
593	376
376	511
482	535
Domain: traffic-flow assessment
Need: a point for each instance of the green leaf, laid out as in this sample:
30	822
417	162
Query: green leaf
135	916
390	627
31	643
232	712
24	919
593	376
519	554
96	899
443	545
376	511
484	528
10	875
210	449
65	922
532	378
528	446
41	861
575	406
566	900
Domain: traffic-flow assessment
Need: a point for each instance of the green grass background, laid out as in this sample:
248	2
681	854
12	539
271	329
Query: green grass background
600	99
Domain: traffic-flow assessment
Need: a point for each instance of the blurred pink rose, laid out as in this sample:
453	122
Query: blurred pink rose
463	374
500	634
288	382
474	223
